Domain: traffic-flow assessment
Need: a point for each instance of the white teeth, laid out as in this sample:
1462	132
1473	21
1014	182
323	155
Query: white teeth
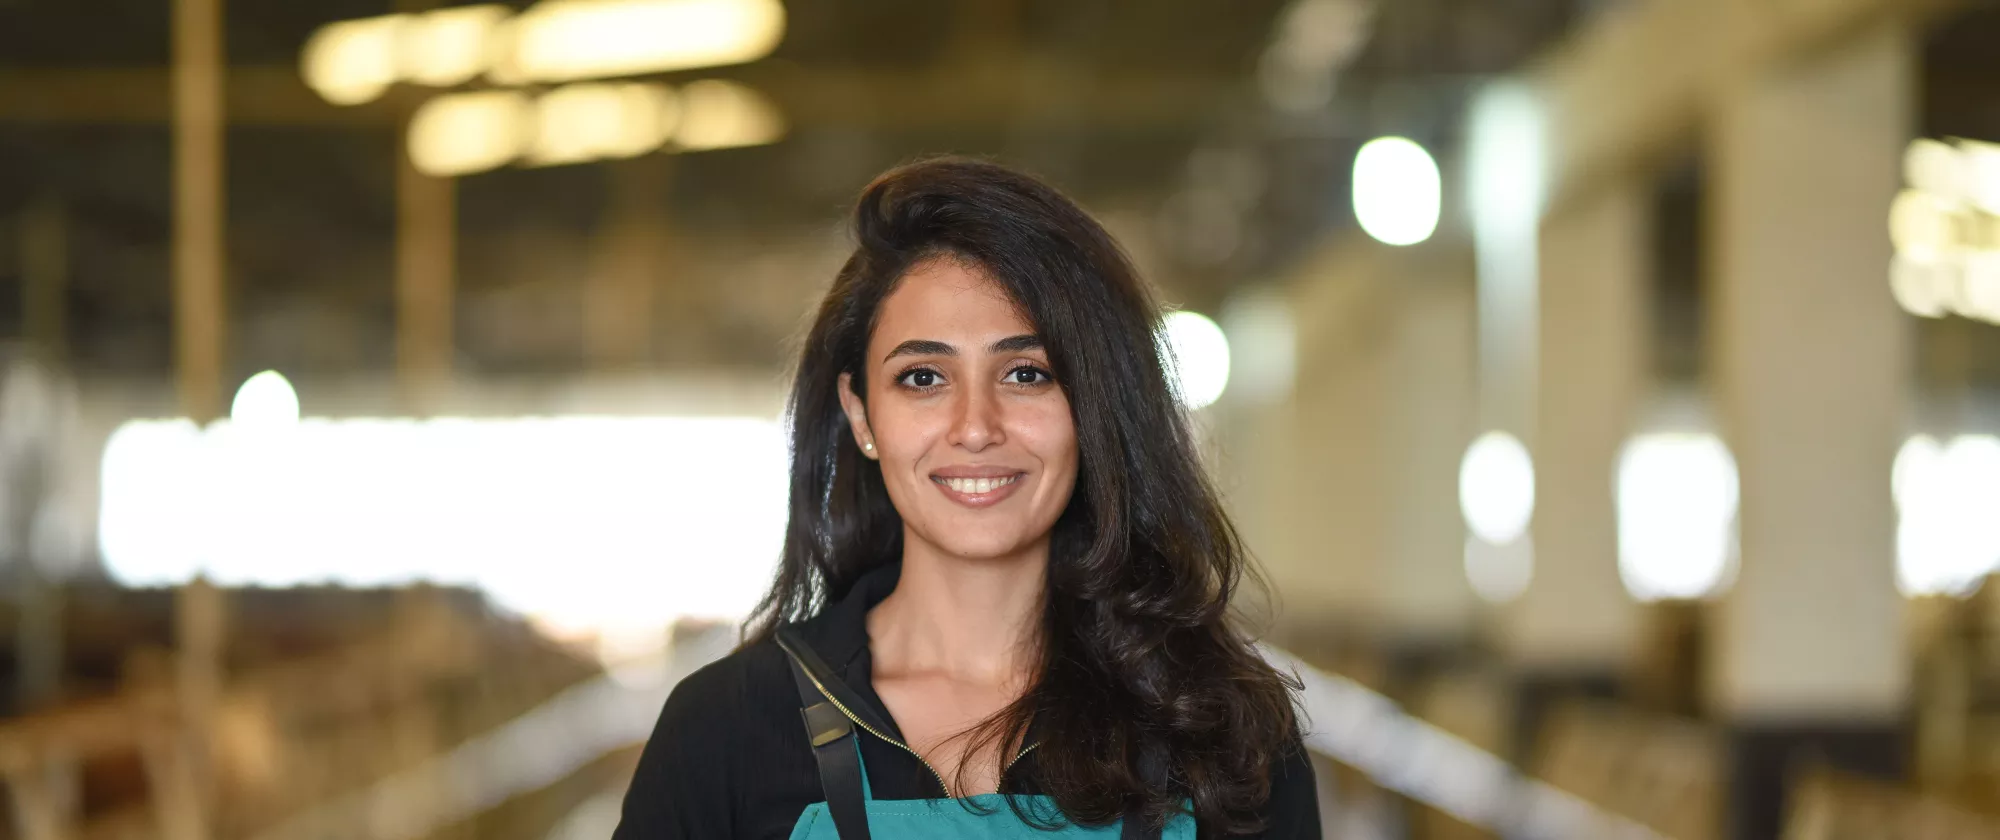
976	486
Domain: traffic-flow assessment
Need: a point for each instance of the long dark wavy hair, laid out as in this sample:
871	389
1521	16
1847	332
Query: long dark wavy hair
1147	690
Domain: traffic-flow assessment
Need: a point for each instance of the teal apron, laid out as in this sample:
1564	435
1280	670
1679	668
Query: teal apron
851	812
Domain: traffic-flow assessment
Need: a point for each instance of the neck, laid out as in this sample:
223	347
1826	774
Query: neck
972	619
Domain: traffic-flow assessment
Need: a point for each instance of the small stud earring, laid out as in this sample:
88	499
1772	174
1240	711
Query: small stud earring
870	446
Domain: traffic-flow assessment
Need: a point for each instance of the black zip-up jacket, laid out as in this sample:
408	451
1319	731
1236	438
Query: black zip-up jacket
729	756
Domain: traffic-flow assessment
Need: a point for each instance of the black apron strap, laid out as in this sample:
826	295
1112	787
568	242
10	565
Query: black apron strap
834	747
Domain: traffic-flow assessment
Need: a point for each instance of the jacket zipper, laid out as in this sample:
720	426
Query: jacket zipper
906	747
1017	757
871	730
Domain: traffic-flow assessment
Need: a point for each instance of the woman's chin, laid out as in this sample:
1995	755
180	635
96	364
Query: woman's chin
986	547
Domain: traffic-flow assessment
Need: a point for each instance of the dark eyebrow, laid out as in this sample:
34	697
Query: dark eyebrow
928	347
1018	343
921	347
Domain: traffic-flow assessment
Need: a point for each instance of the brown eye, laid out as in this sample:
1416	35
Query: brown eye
919	378
1026	375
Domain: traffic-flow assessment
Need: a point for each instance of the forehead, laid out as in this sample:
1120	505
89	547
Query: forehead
944	300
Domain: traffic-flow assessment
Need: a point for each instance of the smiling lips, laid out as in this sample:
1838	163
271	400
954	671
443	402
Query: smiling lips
979	490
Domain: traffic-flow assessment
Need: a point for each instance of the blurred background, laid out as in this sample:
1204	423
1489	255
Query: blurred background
390	391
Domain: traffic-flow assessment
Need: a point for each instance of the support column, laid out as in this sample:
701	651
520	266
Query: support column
181	763
198	260
1810	365
426	273
1349	489
1426	605
45	279
426	265
1574	630
1255	451
38	641
1325	459
619	295
1337	483
1254	442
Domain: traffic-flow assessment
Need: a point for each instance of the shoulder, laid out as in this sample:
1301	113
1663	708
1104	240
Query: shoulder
1293	809
740	687
729	722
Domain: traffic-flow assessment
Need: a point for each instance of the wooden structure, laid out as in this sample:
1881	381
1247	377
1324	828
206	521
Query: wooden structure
1831	806
191	748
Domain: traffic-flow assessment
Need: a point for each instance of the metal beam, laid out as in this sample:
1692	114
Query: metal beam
985	96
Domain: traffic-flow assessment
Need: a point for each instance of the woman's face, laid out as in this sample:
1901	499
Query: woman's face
973	433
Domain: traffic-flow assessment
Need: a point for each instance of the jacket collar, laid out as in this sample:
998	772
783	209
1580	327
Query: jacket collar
840	632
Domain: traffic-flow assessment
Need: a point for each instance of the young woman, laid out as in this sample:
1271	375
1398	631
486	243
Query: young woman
1006	580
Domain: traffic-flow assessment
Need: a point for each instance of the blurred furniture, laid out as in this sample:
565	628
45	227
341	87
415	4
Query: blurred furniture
193	747
1956	653
1664	773
1831	806
1473	703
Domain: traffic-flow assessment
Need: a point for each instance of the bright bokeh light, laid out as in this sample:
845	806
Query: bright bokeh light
1932	166
1914	474
1200	357
265	400
1962	171
1919	288
449	46
1947	532
1982	174
462	133
588	524
565	40
1943	228
1921	223
1677	502
596	120
1496	488
718	114
1499	573
1397	191
1957	282
352	61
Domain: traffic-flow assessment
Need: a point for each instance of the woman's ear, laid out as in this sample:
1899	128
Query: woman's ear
857	416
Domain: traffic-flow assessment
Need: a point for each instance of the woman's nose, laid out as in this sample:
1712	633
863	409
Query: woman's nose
977	425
